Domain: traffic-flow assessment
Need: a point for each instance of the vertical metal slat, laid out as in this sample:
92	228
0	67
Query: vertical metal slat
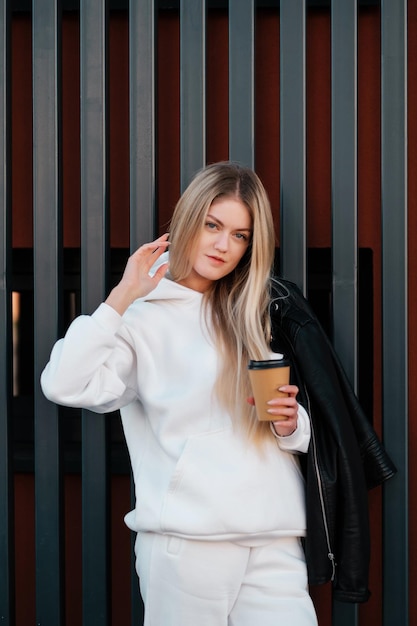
344	181
7	591
293	140
193	87
47	263
142	85
242	81
394	305
94	227
344	208
143	219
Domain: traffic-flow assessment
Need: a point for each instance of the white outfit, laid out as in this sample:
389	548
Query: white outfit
219	583
195	477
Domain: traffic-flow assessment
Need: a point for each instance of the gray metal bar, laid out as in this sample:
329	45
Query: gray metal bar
344	208
94	247
142	81
192	87
143	218
293	141
394	306
242	81
7	586
344	182
47	263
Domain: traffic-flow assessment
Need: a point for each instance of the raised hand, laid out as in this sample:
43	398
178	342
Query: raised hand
136	281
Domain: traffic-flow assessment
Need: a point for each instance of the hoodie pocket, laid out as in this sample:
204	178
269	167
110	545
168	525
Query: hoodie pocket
223	486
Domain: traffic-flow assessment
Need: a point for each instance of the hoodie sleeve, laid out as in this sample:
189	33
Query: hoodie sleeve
93	366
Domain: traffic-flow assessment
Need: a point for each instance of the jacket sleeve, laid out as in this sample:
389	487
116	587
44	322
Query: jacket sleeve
377	465
93	366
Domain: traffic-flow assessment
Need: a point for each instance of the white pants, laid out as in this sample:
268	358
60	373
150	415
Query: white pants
190	583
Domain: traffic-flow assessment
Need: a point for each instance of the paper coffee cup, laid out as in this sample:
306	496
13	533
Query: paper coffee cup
266	378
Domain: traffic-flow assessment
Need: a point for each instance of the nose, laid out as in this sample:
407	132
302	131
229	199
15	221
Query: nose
221	242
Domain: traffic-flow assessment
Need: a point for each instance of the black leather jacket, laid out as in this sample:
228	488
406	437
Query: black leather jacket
345	456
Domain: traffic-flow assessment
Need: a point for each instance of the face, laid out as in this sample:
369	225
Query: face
223	241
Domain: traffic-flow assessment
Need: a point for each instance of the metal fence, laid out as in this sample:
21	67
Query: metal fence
46	20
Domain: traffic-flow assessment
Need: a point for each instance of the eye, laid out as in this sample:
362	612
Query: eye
242	236
211	225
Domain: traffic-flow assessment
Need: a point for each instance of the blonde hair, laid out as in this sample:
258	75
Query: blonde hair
239	302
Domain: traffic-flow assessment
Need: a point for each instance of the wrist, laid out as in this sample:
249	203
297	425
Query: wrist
277	434
119	299
288	434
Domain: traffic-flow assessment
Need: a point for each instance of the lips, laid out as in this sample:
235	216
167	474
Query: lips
216	259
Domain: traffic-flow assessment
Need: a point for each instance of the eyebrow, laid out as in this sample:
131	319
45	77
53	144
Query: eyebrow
215	219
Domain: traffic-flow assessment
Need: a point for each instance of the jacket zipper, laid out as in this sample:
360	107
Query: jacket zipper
330	552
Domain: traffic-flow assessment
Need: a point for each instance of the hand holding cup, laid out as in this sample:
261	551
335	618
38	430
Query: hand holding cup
268	379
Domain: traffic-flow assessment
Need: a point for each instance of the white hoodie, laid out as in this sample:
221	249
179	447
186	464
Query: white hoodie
195	476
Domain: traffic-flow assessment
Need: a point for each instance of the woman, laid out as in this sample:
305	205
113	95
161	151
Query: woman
220	502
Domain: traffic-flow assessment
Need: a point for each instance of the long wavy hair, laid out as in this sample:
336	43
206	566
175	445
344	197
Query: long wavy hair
238	303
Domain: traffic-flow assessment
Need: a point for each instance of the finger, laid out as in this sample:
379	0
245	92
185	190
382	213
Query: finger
284	425
163	238
149	253
290	389
282	409
161	271
286	413
150	246
285	401
161	242
155	253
